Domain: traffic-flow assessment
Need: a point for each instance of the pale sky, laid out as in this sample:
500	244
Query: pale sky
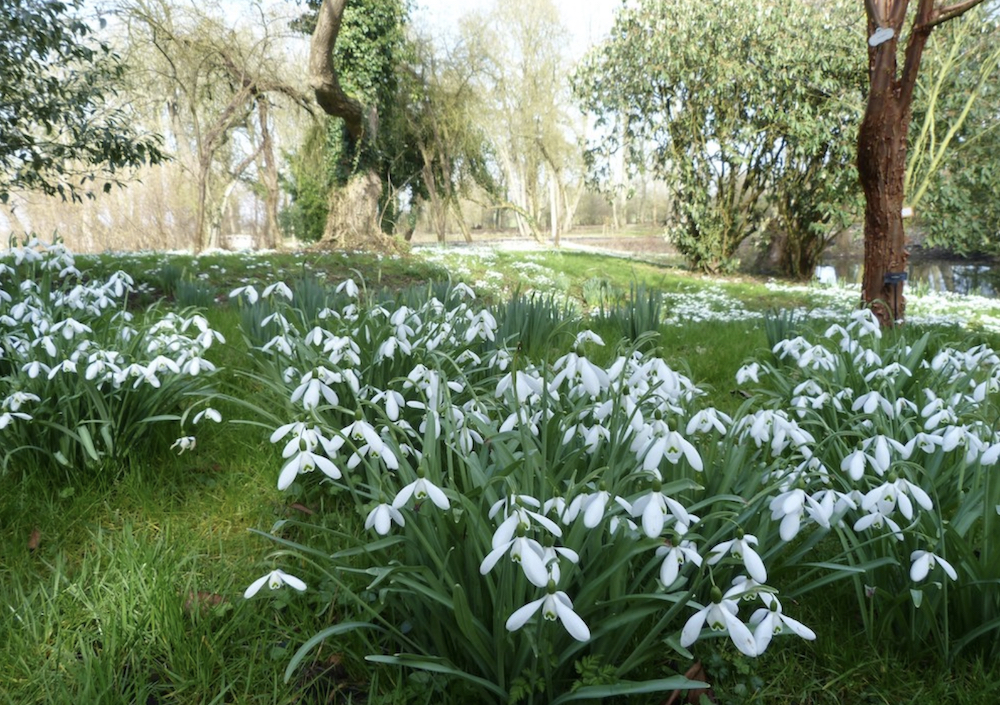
587	20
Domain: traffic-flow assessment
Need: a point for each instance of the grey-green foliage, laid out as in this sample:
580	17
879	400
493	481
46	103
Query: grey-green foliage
751	109
58	133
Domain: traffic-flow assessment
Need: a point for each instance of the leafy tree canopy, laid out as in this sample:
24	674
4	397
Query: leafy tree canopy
751	110
58	132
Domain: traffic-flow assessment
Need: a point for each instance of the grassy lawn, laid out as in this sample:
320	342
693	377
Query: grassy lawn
124	583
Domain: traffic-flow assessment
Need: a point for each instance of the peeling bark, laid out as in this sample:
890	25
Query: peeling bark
882	140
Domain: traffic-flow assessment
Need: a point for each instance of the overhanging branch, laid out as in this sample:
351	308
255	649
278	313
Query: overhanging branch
322	75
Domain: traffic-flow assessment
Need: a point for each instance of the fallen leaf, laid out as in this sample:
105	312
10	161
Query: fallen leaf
35	539
202	601
692	697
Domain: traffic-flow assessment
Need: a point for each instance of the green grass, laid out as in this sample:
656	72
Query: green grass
134	591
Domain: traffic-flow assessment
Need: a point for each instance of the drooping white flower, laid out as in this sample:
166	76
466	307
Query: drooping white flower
770	620
279	288
720	614
184	443
674	557
924	562
421	489
556	605
654	507
748	373
741	548
208	413
381	518
274	580
524	551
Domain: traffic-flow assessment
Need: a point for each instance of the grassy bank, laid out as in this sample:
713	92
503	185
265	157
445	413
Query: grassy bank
123	581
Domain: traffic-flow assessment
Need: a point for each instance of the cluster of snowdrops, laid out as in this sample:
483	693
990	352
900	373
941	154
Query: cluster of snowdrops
525	514
547	524
84	380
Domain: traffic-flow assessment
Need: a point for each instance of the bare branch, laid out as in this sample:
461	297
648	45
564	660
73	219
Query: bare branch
951	11
322	75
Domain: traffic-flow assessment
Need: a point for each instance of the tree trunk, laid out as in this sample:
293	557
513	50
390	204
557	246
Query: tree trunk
882	167
352	219
269	177
882	145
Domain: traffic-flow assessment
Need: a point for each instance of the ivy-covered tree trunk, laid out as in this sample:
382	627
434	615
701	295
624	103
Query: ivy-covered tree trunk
353	214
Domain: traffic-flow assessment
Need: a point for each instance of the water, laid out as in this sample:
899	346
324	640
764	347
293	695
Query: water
982	279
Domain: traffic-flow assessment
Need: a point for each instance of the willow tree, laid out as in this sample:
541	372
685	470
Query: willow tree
882	141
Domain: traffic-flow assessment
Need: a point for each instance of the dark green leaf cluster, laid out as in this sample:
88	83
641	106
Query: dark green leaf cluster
58	133
750	110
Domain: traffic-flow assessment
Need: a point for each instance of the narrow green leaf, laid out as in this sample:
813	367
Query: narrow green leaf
437	665
593	692
334	630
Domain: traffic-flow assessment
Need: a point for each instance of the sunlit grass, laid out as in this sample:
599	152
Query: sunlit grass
134	590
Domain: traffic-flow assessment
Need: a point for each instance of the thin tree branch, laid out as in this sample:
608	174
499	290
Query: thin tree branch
951	11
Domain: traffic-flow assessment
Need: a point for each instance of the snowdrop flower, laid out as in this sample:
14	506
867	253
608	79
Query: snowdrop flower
674	557
924	562
184	443
524	384
555	605
896	492
524	551
393	401
664	443
706	420
654	507
279	288
871	401
790	507
517	514
770	621
247	291
381	518
7	418
865	322
878	517
16	400
482	325
748	373
878	457
209	413
741	549
928	443
349	288
581	373
274	580
279	343
421	489
587	336
314	384
306	461
720	615
193	366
